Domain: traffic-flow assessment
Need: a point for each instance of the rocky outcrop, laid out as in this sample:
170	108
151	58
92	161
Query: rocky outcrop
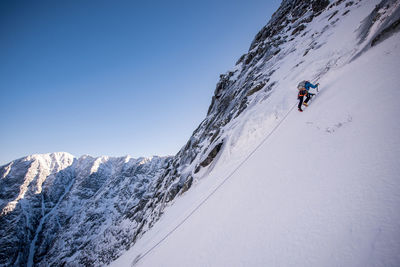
386	32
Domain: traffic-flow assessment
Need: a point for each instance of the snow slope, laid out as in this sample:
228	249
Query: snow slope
322	190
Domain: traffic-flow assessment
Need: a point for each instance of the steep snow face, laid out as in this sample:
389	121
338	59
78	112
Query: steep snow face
322	190
58	209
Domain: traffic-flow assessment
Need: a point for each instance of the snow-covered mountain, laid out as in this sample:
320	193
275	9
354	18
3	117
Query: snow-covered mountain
56	208
269	186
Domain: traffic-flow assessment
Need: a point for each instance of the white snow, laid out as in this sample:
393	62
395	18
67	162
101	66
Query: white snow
322	190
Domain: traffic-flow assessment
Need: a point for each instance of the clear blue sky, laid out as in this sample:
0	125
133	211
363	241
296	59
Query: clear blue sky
115	77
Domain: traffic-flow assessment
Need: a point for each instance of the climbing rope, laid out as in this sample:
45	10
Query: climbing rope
139	257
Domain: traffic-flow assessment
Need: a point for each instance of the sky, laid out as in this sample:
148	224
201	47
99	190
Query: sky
115	78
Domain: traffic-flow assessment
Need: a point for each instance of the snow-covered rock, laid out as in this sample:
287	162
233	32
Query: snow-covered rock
56	208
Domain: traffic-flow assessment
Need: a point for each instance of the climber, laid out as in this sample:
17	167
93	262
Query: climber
304	88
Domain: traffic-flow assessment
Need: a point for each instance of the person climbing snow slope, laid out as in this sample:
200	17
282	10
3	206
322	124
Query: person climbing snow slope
304	88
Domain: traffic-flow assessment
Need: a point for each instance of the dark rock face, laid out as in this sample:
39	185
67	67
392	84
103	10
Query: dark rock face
257	88
289	12
386	18
298	29
211	156
380	15
319	5
386	32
